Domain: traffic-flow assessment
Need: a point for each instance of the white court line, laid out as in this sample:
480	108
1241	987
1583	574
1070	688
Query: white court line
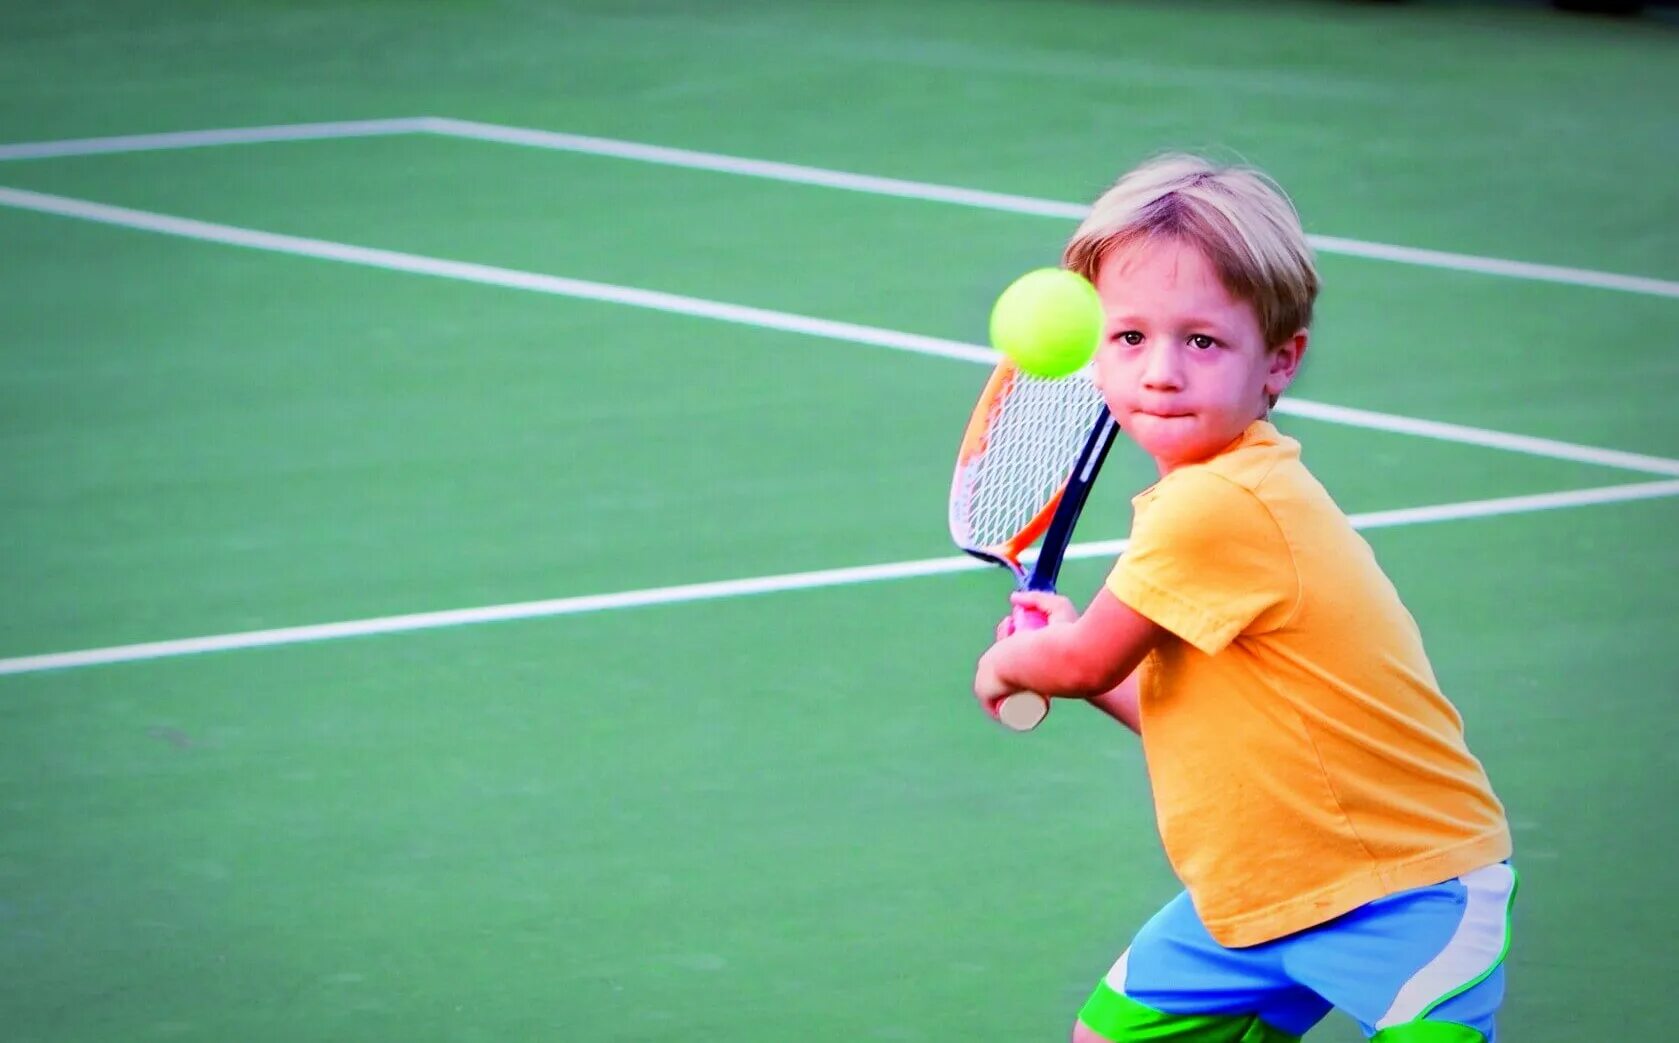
484	274
791	172
1476	436
886	186
758	585
759	317
200	138
773	171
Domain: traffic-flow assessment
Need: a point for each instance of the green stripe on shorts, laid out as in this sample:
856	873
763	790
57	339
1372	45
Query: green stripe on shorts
1121	1019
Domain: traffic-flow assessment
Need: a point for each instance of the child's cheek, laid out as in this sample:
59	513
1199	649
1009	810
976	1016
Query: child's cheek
1107	380
1109	368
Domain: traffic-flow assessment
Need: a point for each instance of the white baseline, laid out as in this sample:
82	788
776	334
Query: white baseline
757	585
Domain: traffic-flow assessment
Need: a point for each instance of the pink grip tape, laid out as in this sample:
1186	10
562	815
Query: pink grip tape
1022	711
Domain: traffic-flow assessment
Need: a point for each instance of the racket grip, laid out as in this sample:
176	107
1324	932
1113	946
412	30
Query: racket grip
1025	618
1022	711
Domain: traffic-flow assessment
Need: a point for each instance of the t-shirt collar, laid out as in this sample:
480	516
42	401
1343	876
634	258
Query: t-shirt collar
1260	432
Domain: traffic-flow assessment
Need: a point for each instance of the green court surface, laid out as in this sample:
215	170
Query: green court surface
717	813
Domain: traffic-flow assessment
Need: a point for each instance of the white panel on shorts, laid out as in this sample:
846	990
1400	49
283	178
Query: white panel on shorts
1473	950
1115	978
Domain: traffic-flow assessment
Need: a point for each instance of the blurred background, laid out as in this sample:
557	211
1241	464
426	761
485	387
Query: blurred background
472	489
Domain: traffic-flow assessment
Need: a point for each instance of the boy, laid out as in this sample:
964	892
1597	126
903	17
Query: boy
1339	845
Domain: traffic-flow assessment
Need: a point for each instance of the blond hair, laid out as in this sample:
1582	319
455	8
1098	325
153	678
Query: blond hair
1240	218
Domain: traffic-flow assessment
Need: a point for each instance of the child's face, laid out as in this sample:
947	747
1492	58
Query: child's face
1183	365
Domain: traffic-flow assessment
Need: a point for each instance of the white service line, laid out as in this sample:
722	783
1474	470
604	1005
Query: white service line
490	275
760	317
758	585
200	138
886	186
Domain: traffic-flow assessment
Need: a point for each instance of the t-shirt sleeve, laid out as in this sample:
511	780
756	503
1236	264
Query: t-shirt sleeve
1207	561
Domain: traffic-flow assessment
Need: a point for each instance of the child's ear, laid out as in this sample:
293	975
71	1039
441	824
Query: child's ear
1285	363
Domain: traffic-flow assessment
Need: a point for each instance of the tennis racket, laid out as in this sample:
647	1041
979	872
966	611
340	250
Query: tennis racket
1024	470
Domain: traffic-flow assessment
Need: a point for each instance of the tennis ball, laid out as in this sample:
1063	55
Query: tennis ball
1048	321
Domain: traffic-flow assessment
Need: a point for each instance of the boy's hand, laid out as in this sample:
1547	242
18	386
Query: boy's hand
989	688
1067	654
1053	607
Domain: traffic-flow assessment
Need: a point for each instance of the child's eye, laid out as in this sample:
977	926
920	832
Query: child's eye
1131	337
1202	341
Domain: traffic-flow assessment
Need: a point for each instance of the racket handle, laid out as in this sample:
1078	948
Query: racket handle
1022	711
1025	618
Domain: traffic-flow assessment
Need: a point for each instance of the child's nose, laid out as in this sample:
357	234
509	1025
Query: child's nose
1161	371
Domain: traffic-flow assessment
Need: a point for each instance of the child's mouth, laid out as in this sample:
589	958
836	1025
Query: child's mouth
1162	415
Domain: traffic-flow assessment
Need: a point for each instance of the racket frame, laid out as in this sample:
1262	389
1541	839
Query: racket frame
1055	523
1024	711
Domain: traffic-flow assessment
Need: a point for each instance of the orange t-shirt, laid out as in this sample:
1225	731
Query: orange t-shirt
1302	757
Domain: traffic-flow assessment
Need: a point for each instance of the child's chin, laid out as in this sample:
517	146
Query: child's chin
1170	449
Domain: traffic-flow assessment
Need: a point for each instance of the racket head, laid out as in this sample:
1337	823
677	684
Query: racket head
1021	445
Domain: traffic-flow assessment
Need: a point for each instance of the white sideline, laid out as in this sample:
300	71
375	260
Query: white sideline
757	585
760	317
791	172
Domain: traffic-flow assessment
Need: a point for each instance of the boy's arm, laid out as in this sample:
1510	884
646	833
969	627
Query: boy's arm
1120	703
1074	656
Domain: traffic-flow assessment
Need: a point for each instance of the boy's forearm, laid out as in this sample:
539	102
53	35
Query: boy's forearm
1048	662
1040	661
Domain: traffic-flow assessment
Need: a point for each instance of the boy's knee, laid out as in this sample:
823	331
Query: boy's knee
1083	1033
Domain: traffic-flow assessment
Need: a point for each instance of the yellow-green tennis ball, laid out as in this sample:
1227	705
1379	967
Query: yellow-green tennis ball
1048	321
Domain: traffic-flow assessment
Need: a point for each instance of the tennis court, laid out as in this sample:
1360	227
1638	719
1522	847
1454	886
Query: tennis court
475	483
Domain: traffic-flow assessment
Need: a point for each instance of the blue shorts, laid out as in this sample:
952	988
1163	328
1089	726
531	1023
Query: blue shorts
1434	954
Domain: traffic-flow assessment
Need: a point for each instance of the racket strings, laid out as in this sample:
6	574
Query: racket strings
1031	436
